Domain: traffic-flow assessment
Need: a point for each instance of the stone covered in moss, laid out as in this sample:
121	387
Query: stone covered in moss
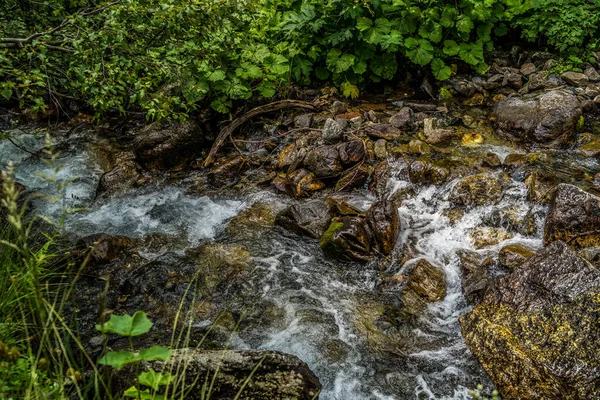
513	256
428	281
486	236
347	238
536	331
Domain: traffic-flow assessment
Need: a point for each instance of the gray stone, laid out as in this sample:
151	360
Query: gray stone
332	131
547	118
310	218
528	69
401	118
575	78
592	74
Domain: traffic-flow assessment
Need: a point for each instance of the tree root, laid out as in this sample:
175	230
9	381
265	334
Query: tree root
236	123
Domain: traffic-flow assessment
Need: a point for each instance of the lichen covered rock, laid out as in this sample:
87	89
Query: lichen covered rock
477	190
536	330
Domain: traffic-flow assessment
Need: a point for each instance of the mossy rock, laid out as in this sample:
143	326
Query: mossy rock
477	190
348	239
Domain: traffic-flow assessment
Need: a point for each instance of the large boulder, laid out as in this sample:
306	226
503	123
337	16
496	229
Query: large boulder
573	217
544	119
536	331
168	146
384	222
348	239
260	375
310	218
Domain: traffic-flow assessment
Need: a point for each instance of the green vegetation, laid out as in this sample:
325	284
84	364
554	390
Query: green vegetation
167	57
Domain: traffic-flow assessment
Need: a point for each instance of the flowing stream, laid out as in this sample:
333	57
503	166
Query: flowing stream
319	310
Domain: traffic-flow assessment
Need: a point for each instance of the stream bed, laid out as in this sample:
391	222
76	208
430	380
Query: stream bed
320	310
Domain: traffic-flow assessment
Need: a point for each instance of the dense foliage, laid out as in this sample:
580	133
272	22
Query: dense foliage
164	57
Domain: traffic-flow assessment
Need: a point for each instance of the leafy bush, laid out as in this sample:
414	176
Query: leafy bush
352	40
162	56
167	57
564	24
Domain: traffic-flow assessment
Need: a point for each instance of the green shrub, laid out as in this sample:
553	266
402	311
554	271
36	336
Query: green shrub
567	25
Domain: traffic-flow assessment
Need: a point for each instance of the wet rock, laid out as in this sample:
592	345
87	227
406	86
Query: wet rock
383	131
253	220
472	139
476	276
491	160
536	81
352	152
540	186
573	217
380	149
513	218
332	131
102	249
220	263
575	78
513	256
477	190
486	236
341	205
425	172
310	218
347	239
260	375
434	134
355	177
591	149
515	160
384	222
168	146
402	118
226	172
379	179
301	183
324	161
592	74
427	281
303	121
513	80
454	215
548	118
528	69
339	107
122	177
465	88
535	332
418	147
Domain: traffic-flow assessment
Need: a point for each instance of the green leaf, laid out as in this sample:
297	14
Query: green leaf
322	73
155	353
118	359
435	34
142	394
338	62
360	67
448	17
440	70
6	91
471	53
248	70
277	64
217	76
349	90
127	325
363	24
451	48
267	89
393	39
421	53
384	66
154	379
501	29
464	24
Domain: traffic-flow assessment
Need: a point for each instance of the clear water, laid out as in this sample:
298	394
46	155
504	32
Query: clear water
323	310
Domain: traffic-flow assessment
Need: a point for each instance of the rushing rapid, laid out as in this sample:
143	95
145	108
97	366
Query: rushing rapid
322	311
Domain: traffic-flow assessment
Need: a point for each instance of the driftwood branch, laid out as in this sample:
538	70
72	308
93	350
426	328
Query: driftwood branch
229	129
